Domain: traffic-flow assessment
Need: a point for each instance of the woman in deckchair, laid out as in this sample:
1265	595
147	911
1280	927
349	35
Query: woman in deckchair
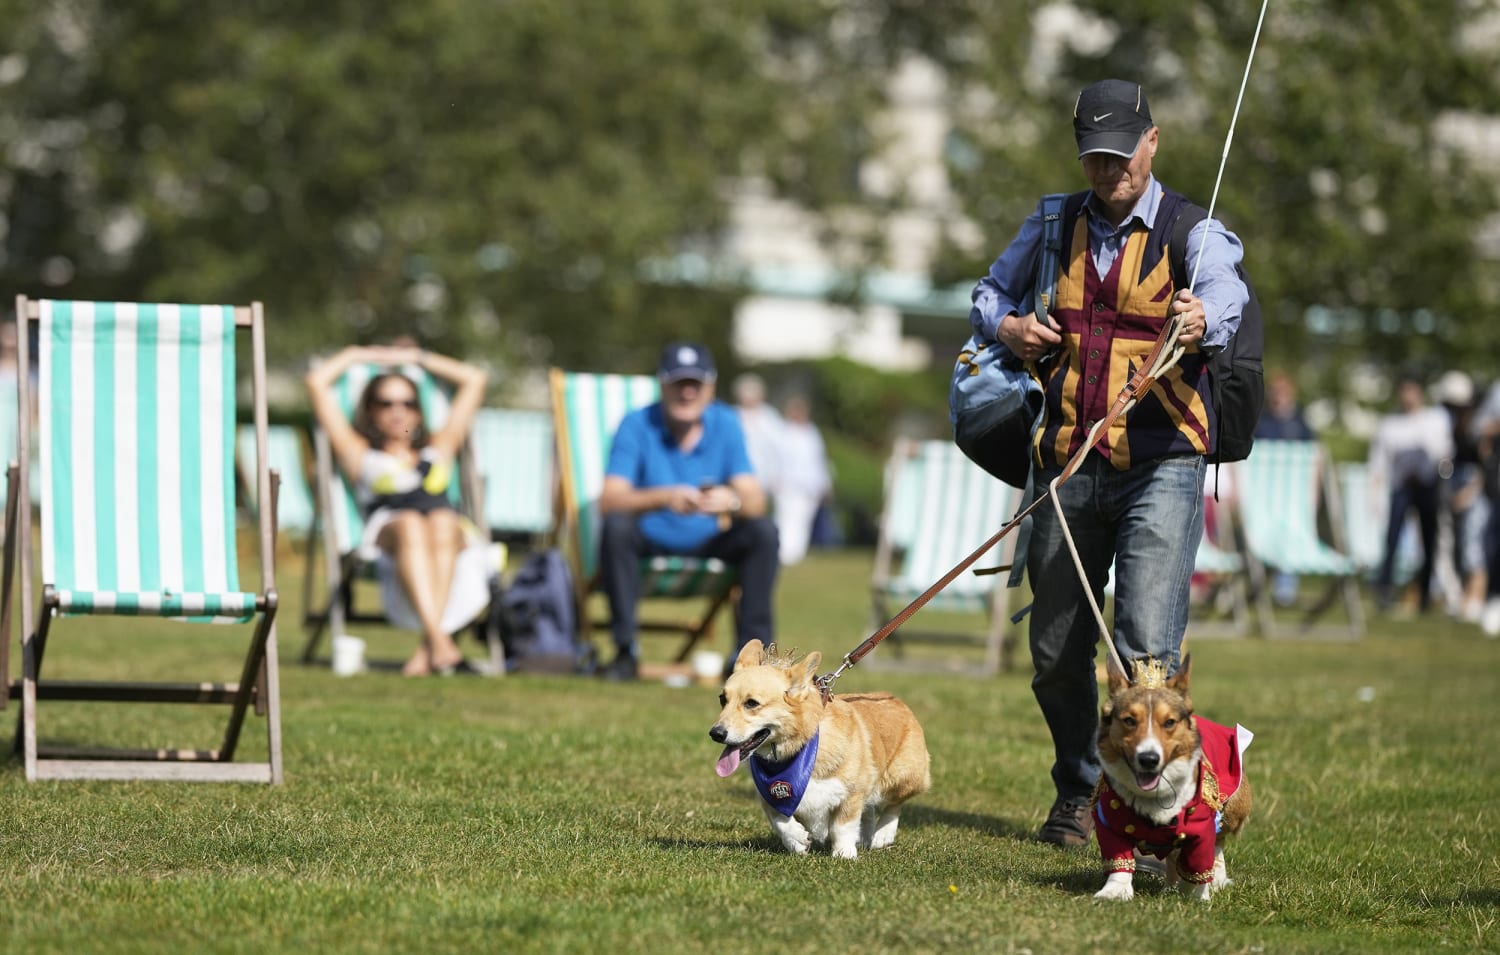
401	475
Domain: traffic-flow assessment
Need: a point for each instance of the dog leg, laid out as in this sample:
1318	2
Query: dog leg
1119	887
883	833
844	838
791	832
1221	871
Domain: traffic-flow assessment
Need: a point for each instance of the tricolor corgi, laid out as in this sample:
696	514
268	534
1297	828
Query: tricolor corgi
1173	784
835	772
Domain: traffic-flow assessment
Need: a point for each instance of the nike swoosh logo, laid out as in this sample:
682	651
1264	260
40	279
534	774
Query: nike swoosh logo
1103	117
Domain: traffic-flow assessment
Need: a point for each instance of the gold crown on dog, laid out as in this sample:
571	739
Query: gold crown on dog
1149	672
774	656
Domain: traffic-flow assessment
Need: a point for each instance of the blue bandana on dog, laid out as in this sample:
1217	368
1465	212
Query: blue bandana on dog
783	784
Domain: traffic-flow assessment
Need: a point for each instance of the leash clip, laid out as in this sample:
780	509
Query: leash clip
825	682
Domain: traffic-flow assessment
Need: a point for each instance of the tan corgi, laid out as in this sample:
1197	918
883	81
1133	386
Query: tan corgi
1173	784
835	772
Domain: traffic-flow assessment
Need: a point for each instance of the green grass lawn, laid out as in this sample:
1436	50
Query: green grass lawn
555	814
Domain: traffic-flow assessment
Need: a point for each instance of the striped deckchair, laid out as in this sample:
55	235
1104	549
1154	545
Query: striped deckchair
294	506
1287	492
940	506
586	409
136	406
338	526
514	450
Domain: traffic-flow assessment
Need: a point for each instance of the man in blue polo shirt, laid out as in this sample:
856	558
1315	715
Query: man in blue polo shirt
679	481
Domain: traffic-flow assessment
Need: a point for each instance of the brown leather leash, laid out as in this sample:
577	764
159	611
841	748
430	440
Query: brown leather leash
1163	355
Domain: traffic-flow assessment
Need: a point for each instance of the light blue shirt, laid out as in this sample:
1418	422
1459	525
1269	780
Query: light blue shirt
1007	288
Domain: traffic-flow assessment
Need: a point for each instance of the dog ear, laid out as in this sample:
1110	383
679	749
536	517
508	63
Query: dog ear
753	654
1118	681
810	664
1179	680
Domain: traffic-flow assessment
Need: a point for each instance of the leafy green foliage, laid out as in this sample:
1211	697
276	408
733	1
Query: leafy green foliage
488	176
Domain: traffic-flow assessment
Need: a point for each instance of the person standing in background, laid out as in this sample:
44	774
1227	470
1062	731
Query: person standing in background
805	481
1463	498
763	426
1411	446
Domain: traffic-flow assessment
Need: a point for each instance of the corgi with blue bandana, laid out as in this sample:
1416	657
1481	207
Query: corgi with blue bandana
833	773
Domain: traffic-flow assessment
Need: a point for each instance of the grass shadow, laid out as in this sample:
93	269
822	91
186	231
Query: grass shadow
760	846
920	816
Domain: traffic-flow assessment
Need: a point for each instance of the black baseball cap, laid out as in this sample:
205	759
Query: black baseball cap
683	360
1110	117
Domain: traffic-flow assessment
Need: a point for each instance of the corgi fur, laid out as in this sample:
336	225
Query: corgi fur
871	755
1151	748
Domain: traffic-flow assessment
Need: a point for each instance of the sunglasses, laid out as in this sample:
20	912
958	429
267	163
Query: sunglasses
410	404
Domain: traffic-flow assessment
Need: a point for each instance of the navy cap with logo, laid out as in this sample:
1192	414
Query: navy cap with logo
684	360
1110	117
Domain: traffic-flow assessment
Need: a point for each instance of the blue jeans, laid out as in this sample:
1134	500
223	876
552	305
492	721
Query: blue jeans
1148	520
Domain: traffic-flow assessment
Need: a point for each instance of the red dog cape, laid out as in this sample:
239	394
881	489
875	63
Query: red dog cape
1121	830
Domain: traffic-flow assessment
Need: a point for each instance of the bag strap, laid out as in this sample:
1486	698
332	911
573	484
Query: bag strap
1187	219
1049	258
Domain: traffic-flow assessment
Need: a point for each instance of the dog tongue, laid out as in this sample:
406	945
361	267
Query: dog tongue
729	762
1147	781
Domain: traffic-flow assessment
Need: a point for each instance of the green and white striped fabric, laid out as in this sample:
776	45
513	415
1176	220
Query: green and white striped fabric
593	405
1279	500
347	520
137	449
947	506
1212	559
294	502
513	449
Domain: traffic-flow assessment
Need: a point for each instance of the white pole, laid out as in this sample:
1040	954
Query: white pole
1228	139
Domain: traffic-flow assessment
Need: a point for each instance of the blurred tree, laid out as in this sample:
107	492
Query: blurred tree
498	177
1362	221
489	176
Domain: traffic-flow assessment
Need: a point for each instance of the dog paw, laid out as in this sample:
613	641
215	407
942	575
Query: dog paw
1199	893
845	852
1119	887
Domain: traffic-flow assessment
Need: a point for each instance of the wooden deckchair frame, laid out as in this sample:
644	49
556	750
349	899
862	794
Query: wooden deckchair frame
258	684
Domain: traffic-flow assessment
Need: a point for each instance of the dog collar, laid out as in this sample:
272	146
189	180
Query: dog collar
784	784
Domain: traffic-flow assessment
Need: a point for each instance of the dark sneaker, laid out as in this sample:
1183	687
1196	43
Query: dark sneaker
622	667
1068	823
1147	864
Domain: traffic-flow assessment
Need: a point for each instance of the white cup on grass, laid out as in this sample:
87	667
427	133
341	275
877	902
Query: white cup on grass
708	665
348	655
